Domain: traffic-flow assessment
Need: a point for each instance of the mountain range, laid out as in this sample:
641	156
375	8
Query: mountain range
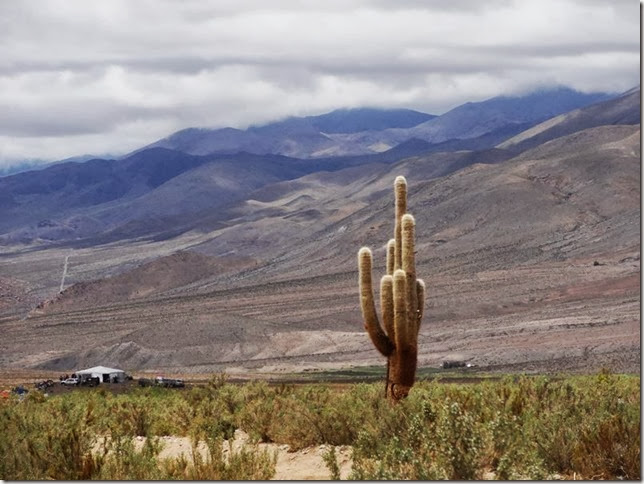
366	131
215	249
196	169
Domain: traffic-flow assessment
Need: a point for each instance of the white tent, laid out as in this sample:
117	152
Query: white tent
106	375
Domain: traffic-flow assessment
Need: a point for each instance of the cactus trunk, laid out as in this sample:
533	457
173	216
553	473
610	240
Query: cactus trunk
402	299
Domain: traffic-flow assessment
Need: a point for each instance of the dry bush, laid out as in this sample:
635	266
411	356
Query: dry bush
516	428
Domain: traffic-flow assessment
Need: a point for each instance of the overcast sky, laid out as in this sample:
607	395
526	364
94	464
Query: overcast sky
109	76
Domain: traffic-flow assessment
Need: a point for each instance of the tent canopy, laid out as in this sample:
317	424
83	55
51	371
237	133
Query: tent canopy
102	370
103	373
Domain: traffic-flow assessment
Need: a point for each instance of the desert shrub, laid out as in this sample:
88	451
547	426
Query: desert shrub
592	428
143	412
331	461
515	428
460	440
160	411
214	409
316	414
259	413
42	439
129	416
511	454
302	416
246	463
434	434
118	459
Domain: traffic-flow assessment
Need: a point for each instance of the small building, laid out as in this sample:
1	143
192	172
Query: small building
103	373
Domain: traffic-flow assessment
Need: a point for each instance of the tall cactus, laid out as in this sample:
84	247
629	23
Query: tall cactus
402	299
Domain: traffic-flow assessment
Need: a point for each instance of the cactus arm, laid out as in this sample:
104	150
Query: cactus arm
400	189
420	295
387	305
391	256
387	308
372	325
409	266
401	328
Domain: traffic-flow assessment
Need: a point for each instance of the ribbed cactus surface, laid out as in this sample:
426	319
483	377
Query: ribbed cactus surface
402	299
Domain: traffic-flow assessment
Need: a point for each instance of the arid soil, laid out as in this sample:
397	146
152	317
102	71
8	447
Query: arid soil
305	465
557	316
147	280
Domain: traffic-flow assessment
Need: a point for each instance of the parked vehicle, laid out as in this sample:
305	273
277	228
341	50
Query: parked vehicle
145	382
456	364
70	381
177	383
452	364
43	385
169	382
91	381
160	381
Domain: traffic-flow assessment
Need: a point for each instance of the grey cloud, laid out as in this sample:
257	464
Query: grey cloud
559	49
71	120
172	64
451	58
120	72
471	6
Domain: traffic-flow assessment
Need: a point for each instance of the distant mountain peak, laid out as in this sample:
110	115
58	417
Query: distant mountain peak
631	90
351	120
366	130
354	120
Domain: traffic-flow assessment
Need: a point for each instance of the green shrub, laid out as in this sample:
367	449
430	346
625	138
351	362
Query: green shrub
46	439
516	428
247	463
120	460
331	462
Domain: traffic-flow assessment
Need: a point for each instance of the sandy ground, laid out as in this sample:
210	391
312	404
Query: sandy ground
303	465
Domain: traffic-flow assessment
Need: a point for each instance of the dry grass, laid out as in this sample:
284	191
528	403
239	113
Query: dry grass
517	427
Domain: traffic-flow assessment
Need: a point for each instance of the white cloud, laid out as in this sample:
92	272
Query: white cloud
78	77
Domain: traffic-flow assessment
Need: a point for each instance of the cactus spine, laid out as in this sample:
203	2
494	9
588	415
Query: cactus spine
402	299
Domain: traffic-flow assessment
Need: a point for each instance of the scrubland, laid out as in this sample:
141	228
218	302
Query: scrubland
516	427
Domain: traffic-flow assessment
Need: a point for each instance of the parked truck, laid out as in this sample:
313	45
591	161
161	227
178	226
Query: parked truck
162	382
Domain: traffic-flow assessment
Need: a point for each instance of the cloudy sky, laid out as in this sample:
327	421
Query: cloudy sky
110	76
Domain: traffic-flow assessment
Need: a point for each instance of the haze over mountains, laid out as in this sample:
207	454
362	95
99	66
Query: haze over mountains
218	248
197	169
365	131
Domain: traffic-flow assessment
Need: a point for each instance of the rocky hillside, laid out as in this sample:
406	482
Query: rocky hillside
531	258
624	109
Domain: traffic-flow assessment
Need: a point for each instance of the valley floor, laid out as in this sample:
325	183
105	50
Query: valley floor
572	316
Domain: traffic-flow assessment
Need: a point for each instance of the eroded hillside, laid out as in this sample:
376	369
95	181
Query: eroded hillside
531	260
